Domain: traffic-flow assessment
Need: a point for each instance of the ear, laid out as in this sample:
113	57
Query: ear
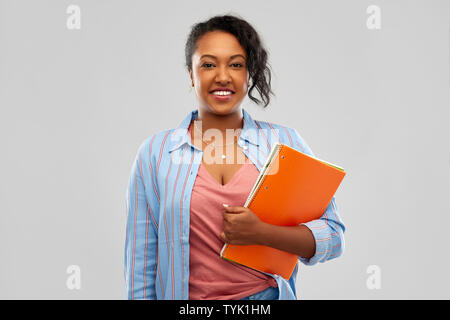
192	79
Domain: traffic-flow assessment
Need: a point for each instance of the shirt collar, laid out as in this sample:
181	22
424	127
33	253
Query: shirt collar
180	135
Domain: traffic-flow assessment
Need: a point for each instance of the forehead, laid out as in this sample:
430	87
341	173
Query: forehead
220	44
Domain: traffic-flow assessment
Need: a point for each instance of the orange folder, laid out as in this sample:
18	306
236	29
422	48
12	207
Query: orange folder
292	188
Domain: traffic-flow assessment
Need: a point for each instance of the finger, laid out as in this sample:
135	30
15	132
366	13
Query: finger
232	209
222	235
227	216
227	207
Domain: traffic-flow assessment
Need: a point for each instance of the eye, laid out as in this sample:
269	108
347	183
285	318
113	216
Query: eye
209	64
238	64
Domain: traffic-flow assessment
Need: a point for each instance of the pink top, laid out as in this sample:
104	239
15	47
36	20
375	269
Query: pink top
211	277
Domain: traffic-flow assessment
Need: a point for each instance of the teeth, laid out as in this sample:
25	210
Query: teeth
222	93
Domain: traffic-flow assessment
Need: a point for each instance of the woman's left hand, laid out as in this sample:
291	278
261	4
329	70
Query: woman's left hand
240	226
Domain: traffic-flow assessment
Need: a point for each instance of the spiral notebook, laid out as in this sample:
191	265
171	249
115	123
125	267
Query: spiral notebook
292	188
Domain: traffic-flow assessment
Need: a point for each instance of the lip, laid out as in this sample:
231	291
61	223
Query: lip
222	89
221	98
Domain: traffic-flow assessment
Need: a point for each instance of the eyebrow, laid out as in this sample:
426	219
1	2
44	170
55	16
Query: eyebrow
214	57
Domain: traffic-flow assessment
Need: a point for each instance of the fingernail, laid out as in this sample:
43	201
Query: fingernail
225	205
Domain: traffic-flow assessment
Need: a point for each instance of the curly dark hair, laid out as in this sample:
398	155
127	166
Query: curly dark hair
257	64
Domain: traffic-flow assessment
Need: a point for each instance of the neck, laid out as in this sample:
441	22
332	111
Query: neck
208	120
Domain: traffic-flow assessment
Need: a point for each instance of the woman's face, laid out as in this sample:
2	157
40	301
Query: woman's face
219	62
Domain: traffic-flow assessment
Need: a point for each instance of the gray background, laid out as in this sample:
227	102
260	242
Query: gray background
76	105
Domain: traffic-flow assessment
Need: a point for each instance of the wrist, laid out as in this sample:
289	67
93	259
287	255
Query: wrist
262	234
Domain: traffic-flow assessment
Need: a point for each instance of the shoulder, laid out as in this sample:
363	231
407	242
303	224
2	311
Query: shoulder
285	134
155	143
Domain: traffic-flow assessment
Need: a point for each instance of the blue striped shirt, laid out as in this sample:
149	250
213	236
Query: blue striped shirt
158	209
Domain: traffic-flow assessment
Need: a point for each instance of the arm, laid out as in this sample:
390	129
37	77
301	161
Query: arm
141	235
241	226
315	241
328	232
296	239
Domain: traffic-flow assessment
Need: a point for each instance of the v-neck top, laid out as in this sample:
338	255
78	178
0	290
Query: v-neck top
211	277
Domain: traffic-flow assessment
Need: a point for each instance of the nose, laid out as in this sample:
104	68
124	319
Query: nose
222	75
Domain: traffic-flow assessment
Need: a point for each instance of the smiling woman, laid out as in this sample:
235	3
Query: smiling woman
209	69
242	45
177	224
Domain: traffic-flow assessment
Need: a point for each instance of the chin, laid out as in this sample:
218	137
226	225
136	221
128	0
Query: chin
219	107
224	108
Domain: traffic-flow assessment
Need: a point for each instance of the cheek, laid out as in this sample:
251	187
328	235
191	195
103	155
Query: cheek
199	78
245	81
244	86
201	87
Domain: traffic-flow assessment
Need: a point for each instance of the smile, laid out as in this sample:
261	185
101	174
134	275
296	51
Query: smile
222	95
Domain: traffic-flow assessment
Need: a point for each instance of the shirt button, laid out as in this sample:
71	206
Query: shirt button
245	147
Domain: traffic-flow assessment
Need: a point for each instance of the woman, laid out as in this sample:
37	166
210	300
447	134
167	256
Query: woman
181	178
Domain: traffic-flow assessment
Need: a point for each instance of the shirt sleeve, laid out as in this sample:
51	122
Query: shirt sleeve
141	233
328	230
